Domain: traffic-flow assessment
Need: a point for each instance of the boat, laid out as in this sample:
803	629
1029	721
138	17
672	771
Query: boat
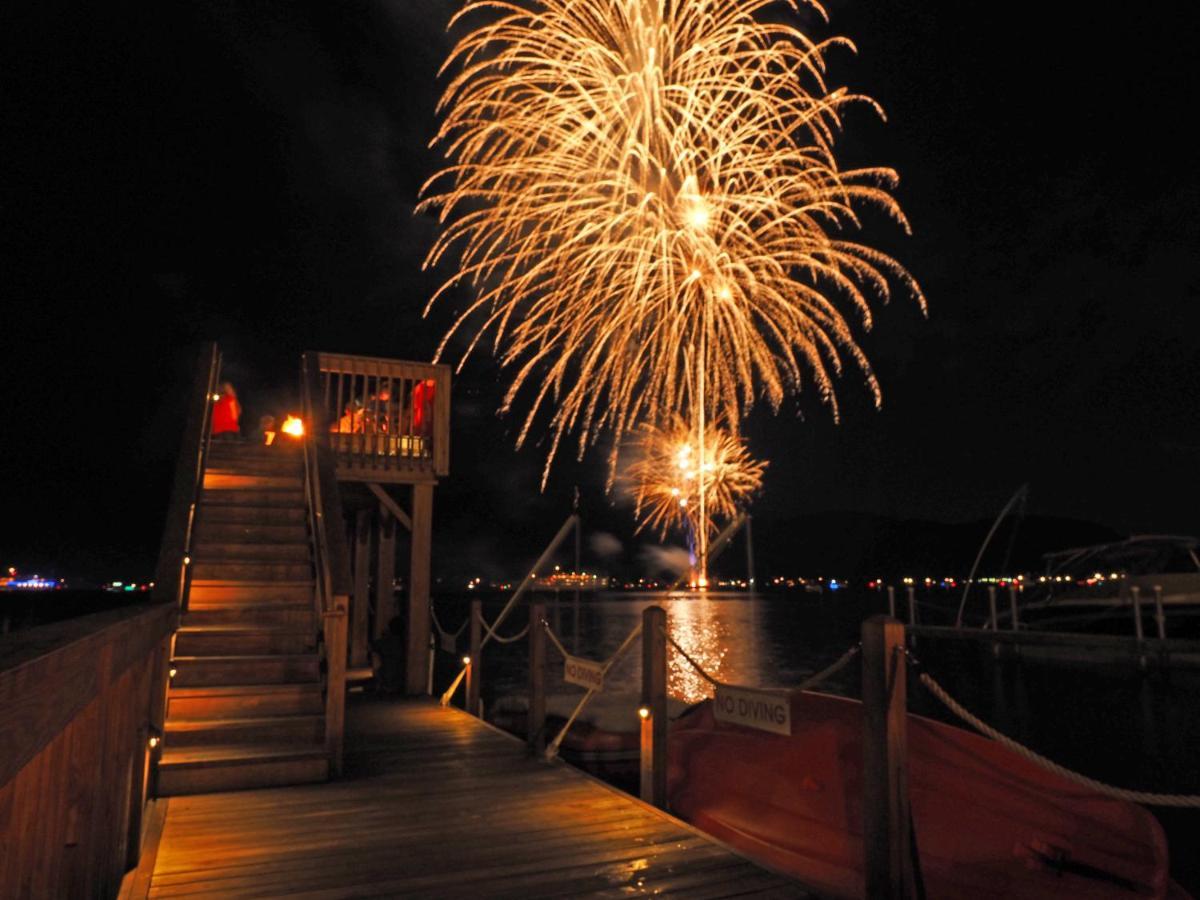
1092	588
986	822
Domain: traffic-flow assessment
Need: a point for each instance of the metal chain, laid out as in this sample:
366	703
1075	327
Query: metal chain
1177	800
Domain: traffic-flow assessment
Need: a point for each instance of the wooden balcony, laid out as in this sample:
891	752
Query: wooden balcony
387	420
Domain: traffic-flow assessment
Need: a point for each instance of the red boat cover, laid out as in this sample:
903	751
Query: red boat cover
988	823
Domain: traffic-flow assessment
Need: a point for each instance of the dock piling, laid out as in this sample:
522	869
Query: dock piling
536	725
888	862
475	667
654	707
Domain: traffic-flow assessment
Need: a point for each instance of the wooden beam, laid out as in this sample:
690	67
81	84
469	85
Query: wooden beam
385	571
475	669
887	847
385	499
418	588
536	724
654	707
359	608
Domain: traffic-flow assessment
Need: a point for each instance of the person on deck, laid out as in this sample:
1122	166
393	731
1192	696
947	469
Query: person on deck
226	412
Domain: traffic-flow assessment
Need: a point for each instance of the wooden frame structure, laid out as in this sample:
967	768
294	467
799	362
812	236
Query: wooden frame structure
386	423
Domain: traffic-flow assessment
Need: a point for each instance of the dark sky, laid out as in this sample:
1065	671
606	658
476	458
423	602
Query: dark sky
247	173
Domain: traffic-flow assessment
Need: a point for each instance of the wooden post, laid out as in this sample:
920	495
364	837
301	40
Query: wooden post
360	607
418	587
911	592
1160	616
536	725
385	572
335	624
892	601
654	705
993	618
475	669
1013	607
886	837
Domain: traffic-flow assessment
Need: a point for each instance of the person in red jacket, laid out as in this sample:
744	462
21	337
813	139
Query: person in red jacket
226	413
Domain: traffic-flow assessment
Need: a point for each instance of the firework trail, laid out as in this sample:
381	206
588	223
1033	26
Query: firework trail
643	197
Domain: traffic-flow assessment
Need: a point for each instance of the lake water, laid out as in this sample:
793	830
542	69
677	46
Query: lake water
1112	722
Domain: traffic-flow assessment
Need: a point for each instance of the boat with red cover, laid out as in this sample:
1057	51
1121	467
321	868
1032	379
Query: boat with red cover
987	822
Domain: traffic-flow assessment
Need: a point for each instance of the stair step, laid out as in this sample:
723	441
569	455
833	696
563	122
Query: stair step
204	593
299	731
251	570
197	770
222	451
219	515
295	551
285	465
230	480
201	640
245	701
204	671
297	617
255	497
210	530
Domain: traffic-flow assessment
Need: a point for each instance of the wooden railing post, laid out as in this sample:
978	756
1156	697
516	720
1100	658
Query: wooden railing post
653	710
360	604
475	668
886	837
336	627
536	726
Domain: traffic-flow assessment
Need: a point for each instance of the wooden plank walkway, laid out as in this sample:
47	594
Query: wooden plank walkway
436	804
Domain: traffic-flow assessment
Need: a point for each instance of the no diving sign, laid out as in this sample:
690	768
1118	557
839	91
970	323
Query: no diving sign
765	710
584	673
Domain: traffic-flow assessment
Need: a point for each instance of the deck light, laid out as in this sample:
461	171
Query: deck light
644	712
466	660
153	742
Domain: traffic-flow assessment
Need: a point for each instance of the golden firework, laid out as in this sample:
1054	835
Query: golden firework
645	203
668	480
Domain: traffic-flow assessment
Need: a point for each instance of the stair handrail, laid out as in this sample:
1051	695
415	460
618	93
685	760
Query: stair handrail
331	557
174	556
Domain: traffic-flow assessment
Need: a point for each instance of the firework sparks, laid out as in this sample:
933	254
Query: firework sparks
644	199
668	481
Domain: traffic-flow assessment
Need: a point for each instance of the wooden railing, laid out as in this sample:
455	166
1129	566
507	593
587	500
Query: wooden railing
385	417
331	556
170	576
81	702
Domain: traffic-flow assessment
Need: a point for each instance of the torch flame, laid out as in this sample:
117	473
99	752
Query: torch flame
293	426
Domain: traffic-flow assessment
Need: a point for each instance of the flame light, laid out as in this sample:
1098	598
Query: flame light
643	198
293	426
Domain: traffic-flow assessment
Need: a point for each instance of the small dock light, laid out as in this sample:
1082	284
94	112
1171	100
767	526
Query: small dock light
153	741
644	712
171	672
466	660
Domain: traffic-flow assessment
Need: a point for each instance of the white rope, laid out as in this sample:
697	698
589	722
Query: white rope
511	638
442	631
552	749
1178	800
829	671
554	638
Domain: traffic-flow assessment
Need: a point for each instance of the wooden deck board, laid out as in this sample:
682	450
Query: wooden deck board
436	804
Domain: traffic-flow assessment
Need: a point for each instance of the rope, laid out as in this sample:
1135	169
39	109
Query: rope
695	665
807	684
552	749
442	631
554	638
507	640
829	671
1176	800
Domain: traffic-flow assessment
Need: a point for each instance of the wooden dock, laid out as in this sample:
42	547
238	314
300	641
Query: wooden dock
435	803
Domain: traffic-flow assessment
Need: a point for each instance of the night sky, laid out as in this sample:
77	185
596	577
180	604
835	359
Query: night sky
248	172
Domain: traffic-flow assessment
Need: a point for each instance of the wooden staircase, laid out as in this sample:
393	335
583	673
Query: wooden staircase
245	705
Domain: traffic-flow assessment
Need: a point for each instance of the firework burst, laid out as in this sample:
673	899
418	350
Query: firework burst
668	481
644	200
